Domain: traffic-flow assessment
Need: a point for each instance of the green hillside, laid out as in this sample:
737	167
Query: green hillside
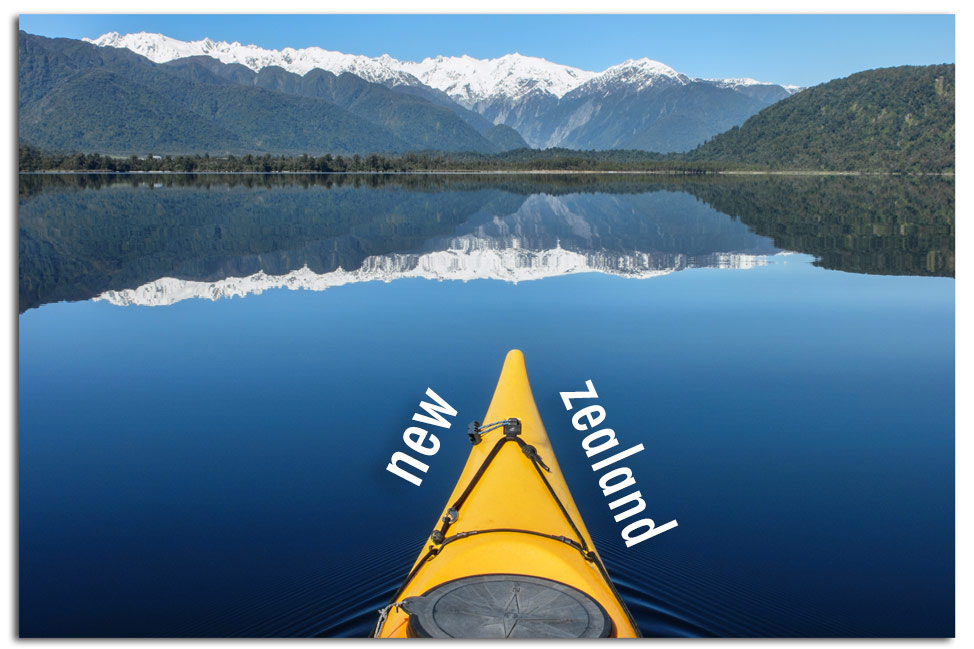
891	119
76	96
418	122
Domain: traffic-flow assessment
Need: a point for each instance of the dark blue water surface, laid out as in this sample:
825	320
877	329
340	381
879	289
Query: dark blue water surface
215	467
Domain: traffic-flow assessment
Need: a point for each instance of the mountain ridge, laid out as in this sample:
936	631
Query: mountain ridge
440	70
528	94
192	106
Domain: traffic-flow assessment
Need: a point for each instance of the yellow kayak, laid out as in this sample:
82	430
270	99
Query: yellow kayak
510	556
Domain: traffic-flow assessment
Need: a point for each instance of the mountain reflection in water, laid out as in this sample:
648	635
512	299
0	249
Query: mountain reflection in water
157	240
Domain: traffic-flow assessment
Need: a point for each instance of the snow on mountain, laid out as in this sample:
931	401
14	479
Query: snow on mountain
636	74
736	83
155	47
468	80
159	48
465	79
746	83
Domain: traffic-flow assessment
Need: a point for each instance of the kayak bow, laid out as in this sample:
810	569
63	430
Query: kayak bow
511	556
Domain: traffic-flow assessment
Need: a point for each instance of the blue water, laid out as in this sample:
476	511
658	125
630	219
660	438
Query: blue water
216	468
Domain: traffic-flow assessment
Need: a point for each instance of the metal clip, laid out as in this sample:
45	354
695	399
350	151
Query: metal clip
451	516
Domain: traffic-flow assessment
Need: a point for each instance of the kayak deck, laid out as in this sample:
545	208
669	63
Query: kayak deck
510	556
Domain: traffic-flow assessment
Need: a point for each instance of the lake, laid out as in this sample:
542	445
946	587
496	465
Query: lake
215	370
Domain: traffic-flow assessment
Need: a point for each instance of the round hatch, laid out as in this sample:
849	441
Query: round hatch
506	606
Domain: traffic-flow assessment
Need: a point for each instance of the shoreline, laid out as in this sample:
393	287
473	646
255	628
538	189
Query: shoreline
489	172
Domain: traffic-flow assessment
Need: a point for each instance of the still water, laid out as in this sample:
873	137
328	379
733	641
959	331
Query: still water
214	372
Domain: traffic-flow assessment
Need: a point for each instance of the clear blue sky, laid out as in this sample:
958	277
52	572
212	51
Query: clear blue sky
800	49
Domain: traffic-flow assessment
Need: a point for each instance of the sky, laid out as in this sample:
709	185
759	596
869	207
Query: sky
788	49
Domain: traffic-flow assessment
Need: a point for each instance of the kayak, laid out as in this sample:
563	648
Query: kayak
510	556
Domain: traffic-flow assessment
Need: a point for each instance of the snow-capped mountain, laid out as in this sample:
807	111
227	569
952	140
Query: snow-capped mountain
465	79
632	76
469	81
740	83
761	90
160	49
547	103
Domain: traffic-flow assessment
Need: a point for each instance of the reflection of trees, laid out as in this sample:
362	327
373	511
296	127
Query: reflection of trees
77	244
31	184
876	225
81	235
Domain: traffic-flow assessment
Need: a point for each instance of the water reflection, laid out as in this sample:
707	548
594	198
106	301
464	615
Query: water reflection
882	226
157	240
163	452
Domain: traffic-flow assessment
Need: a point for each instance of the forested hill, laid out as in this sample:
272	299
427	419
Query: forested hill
891	119
75	96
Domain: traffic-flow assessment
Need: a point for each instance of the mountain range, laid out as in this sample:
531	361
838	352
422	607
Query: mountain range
138	92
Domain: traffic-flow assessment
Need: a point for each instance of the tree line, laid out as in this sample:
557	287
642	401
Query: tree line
33	159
